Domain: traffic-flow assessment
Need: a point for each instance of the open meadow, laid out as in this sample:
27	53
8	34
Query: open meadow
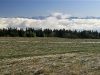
49	56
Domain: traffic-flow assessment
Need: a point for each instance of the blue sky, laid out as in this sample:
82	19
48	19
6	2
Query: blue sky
12	9
29	8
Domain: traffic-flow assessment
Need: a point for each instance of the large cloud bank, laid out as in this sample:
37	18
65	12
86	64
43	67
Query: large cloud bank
52	22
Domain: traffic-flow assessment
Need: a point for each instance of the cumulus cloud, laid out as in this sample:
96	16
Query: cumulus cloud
62	16
52	22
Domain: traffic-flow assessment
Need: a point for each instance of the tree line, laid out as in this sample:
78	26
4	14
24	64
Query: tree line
62	33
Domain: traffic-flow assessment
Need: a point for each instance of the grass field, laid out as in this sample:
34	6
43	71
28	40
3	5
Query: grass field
49	56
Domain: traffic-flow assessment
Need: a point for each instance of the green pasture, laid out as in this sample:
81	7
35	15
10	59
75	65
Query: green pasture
15	47
49	56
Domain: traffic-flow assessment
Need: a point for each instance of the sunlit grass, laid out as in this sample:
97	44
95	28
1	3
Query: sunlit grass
20	47
49	56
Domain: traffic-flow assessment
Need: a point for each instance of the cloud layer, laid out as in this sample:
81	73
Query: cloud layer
52	22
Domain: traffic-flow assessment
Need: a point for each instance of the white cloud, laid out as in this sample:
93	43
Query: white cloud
52	23
63	16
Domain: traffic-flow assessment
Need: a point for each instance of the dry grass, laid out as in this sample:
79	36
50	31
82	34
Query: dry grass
67	64
49	56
